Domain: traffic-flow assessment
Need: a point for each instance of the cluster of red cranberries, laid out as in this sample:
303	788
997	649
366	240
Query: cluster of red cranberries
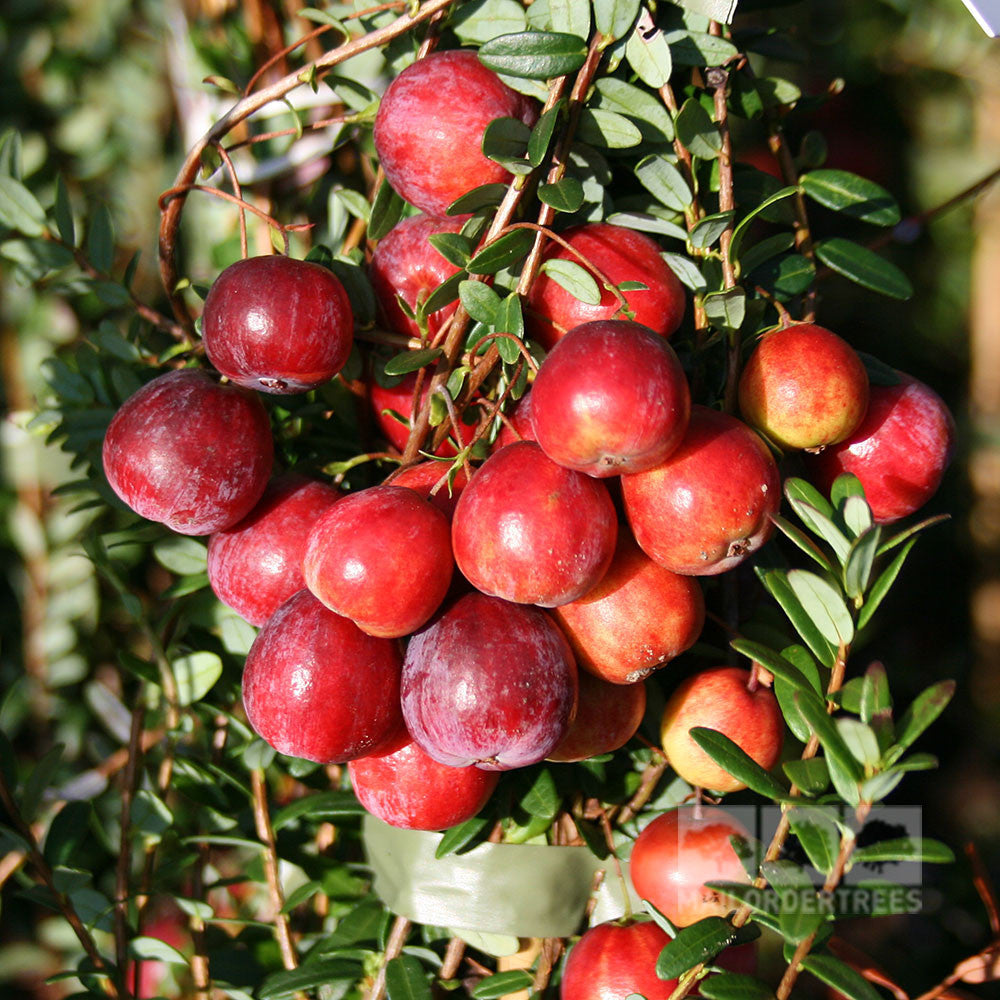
432	636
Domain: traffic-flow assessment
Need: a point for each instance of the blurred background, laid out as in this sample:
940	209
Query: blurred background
110	94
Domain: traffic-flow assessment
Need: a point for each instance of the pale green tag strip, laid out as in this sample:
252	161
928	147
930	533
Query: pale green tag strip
523	890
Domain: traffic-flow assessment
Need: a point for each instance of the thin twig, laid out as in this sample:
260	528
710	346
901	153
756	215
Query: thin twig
393	948
262	821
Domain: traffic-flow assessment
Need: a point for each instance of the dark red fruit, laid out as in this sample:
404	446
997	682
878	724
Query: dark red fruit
381	557
316	686
622	255
406	266
189	452
256	565
277	324
430	124
530	531
610	398
409	789
489	683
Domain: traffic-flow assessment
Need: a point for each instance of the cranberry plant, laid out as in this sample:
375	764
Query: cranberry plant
191	857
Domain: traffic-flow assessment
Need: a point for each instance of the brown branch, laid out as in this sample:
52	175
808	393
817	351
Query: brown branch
393	948
170	217
62	901
129	785
262	821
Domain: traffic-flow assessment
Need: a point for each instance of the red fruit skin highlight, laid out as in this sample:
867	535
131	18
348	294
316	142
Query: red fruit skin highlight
277	324
430	124
188	452
316	686
256	565
622	255
411	790
900	451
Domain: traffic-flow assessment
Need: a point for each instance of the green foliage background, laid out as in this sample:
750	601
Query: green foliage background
110	96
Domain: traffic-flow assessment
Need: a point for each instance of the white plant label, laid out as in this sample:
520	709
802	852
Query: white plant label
987	13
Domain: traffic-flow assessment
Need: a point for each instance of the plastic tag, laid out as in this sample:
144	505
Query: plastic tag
987	13
717	10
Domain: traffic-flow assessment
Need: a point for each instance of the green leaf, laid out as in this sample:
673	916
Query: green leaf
534	55
541	134
505	251
387	210
743	226
686	270
824	605
330	805
699	942
814	711
726	310
648	53
460	836
804	542
63	212
709	229
405	979
542	798
734	760
923	710
310	975
481	20
11	153
777	584
800	916
760	253
607	129
810	776
572	16
505	140
734	986
816	832
697	131
614	94
864	267
181	555
861	741
575	278
19	208
454	247
851	195
154	950
444	294
840	976
196	674
510	320
777	664
411	361
664	182
101	240
860	560
696	48
564	196
479	300
856	515
882	585
150	815
503	984
614	18
41	777
789	274
484	196
67	833
921	849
